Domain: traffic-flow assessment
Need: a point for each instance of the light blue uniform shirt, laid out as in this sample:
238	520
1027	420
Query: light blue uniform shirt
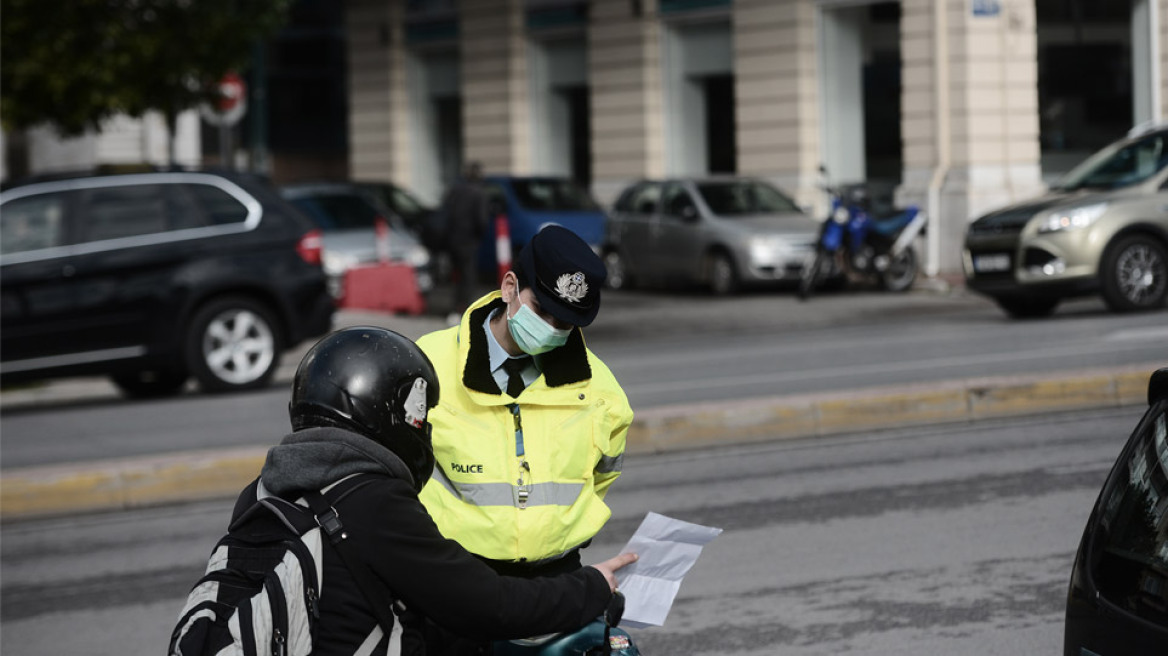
498	355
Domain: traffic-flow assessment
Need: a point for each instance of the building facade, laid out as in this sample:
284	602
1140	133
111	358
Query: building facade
938	102
122	141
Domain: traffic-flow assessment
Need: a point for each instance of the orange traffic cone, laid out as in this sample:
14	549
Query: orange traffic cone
502	245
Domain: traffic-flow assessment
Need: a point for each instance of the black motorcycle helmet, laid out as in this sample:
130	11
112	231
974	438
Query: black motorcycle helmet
374	382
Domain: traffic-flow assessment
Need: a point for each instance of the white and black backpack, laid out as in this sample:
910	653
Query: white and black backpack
262	586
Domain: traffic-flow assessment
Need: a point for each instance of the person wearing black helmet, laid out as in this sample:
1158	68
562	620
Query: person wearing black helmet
359	405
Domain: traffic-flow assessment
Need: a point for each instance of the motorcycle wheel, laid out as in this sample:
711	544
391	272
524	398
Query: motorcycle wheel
901	271
810	276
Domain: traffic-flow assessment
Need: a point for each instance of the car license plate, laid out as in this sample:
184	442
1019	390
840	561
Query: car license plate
991	263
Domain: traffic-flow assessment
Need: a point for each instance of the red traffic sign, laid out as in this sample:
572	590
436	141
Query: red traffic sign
232	102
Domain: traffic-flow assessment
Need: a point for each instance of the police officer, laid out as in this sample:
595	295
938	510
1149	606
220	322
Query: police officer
359	405
531	430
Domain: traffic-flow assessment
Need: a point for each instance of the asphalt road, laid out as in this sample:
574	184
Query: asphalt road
667	349
954	540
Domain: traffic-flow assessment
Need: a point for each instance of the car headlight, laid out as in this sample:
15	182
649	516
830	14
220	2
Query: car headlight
336	263
417	256
765	251
1071	218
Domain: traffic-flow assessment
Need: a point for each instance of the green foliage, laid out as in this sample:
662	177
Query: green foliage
73	63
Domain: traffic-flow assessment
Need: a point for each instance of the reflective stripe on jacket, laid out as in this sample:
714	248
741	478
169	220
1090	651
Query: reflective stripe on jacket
529	494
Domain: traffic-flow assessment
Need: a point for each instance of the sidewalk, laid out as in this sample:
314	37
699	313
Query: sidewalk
182	477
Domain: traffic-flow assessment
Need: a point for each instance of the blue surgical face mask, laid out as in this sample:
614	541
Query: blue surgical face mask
532	333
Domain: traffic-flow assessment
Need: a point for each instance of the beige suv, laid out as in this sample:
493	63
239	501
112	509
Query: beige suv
1103	229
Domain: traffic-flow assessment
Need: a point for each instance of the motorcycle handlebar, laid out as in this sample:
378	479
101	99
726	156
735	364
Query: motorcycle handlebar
615	610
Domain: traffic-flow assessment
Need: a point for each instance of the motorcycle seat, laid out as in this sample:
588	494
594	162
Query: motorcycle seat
890	224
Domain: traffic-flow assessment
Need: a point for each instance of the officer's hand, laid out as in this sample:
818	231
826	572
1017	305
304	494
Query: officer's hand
613	564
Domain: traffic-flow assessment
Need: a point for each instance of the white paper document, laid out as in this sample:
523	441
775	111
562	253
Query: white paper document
666	549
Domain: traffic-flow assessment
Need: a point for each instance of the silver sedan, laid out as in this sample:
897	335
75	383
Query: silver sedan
724	232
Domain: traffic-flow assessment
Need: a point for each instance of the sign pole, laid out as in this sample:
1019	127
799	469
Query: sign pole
225	147
225	113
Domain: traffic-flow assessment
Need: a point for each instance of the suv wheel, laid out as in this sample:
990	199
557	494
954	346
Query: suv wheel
1028	308
233	345
1134	274
150	383
618	273
723	277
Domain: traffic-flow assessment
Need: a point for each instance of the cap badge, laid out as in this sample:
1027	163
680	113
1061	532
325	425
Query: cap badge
415	406
571	287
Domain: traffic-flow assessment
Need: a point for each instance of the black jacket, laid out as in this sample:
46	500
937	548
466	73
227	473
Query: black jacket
431	575
466	210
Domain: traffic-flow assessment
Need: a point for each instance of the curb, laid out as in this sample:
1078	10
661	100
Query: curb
34	492
670	428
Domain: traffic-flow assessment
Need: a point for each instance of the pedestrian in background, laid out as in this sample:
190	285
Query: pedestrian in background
465	211
530	433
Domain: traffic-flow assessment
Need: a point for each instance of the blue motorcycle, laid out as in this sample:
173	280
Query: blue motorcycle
593	640
853	243
602	636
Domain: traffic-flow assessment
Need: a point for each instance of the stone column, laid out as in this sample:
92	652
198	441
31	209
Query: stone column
495	111
624	72
970	127
777	93
1147	41
379	132
1163	17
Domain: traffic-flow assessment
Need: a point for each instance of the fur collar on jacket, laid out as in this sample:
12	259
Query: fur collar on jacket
561	366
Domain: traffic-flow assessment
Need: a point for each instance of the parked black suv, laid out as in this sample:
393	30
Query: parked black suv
151	278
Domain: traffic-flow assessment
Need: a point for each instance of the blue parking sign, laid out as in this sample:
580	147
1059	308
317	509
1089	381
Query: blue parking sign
987	7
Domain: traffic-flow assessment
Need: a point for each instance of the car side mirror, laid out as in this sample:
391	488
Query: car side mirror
689	214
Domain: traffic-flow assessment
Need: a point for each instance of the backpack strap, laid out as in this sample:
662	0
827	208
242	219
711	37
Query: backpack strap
329	520
295	517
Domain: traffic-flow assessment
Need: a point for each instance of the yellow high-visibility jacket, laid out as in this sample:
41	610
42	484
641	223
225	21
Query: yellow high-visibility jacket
531	494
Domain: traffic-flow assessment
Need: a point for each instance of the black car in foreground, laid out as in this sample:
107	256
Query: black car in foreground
151	278
1117	604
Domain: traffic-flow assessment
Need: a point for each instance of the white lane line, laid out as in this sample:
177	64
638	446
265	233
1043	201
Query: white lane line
777	346
1159	334
705	382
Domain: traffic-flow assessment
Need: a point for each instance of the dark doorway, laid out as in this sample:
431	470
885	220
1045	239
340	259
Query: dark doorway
883	151
721	150
449	132
1085	90
882	115
580	134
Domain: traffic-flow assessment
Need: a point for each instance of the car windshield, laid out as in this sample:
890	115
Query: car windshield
742	197
551	194
338	211
1120	165
405	204
402	202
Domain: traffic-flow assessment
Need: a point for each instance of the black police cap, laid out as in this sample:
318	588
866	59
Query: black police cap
565	274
